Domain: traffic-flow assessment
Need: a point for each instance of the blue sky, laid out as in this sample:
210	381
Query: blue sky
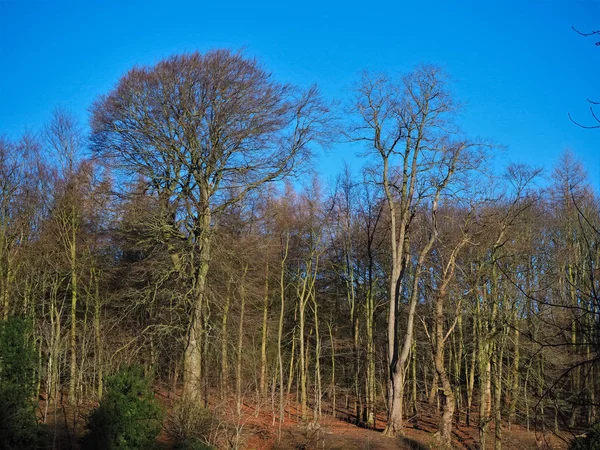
517	65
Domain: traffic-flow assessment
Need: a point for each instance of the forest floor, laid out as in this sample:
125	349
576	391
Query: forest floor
420	434
256	429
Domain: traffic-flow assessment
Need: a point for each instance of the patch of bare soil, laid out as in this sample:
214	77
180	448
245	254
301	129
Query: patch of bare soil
420	434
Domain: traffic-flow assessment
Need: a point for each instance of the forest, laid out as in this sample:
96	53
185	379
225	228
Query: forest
177	267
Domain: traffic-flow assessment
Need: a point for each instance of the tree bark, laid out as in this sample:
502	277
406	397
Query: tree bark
192	359
264	336
240	343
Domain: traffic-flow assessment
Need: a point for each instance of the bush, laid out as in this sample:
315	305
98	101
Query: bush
128	416
191	426
591	440
18	424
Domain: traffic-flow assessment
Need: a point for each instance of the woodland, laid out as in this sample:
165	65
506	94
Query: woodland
179	259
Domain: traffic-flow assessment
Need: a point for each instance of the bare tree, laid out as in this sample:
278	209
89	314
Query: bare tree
408	124
194	126
439	336
64	138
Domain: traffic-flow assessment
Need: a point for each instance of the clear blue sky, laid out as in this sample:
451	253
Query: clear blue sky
517	65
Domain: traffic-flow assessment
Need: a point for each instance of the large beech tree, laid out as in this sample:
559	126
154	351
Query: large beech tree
203	130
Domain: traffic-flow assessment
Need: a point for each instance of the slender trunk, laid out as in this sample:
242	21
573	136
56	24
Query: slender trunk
73	335
304	290
497	362
280	334
370	361
205	349
302	342
483	402
264	336
6	287
306	367
333	390
576	372
526	397
292	362
471	377
414	378
52	354
318	385
514	391
356	354
351	296
98	336
484	375
458	345
225	343
591	410
238	367
541	387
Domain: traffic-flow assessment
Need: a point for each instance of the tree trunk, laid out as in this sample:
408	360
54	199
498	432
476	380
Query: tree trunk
73	335
225	343
264	336
192	358
471	377
514	394
98	336
497	362
301	340
333	390
238	367
414	377
280	334
318	385
370	361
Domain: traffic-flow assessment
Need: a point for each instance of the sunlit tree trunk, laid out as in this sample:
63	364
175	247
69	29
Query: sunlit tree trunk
318	383
471	373
264	336
225	342
192	362
333	386
240	343
282	392
73	336
98	335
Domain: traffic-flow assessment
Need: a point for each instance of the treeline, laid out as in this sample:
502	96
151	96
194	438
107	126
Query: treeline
167	237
